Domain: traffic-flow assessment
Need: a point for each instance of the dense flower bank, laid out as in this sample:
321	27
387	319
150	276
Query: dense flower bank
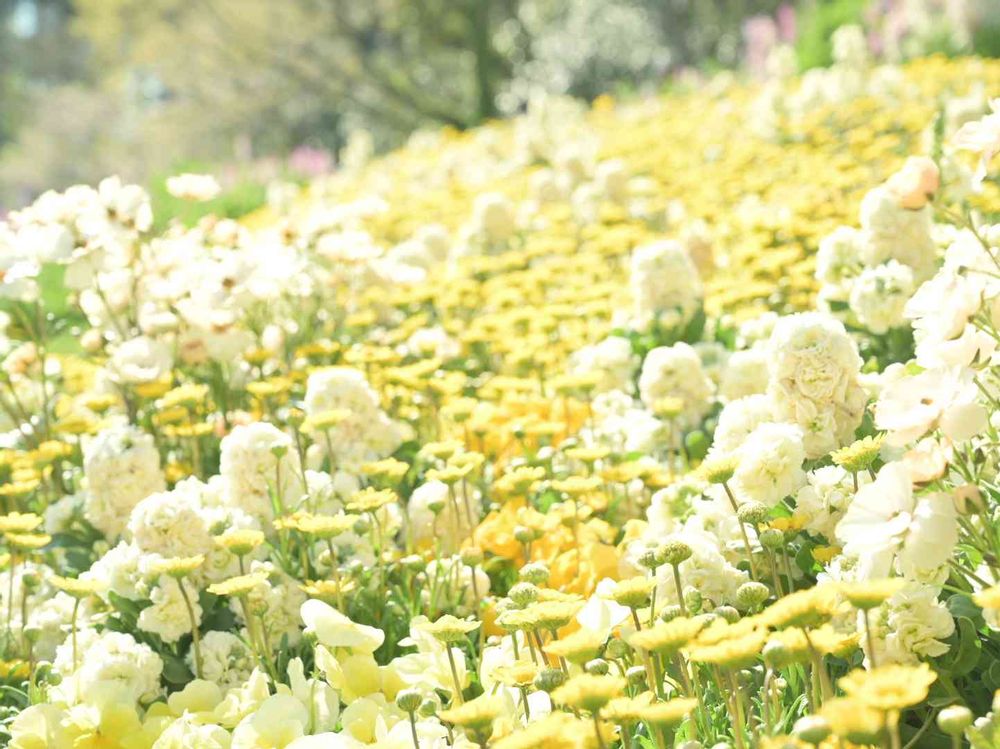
670	424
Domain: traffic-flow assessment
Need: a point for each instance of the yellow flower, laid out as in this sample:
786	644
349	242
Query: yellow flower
240	541
75	586
176	566
449	629
589	692
19	522
238	586
668	714
891	687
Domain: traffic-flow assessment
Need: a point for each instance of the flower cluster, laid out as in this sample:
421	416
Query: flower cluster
491	441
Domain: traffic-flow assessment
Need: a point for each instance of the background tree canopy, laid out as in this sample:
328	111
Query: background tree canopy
140	87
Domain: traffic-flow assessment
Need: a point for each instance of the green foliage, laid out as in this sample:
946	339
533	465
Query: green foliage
235	201
817	24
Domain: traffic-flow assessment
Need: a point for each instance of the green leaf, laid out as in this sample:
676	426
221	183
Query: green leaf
966	655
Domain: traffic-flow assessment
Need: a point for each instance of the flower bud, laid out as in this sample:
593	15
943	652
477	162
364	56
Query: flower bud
549	679
692	600
674	552
728	613
428	708
522	594
409	700
668	613
472	555
534	572
771	538
616	649
523	534
812	729
597	667
636	676
751	595
752	513
954	720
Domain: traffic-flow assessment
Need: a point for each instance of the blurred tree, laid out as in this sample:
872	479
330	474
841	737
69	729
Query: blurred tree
278	71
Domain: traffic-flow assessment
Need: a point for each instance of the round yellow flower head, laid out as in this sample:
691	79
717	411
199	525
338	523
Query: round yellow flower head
449	629
633	593
370	499
891	687
868	594
177	567
668	714
75	587
579	647
860	455
666	638
476	716
237	586
240	541
28	541
19	522
589	692
517	674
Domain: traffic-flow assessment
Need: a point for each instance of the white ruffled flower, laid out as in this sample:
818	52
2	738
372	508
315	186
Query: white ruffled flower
225	659
107	657
168	616
770	463
825	497
676	372
171	524
910	627
252	469
122	467
880	294
738	419
364	432
813	368
745	373
666	287
610	360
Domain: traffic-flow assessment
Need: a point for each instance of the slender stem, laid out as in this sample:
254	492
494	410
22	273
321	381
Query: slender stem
454	675
413	731
72	627
870	638
195	635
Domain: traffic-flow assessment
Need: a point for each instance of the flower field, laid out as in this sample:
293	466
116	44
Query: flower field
673	422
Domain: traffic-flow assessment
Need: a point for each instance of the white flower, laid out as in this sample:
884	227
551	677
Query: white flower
825	497
252	469
892	232
450	524
611	360
770	466
168	616
839	255
886	519
186	732
122	467
909	406
813	369
745	373
365	432
172	524
107	657
910	627
738	419
226	660
197	187
676	372
138	360
879	295
666	287
982	137
334	630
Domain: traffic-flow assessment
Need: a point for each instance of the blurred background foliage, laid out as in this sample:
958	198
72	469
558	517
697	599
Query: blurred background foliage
255	90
